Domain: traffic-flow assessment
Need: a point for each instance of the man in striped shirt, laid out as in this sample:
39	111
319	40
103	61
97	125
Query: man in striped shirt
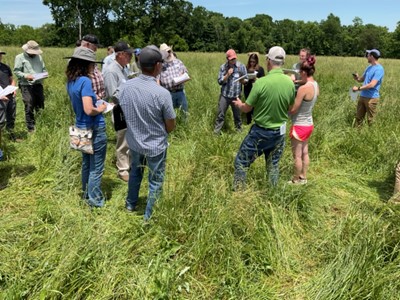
150	117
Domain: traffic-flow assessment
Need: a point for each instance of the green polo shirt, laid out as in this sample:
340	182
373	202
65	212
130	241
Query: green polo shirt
271	97
25	65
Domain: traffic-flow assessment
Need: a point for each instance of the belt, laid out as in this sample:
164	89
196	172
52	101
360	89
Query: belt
175	91
268	129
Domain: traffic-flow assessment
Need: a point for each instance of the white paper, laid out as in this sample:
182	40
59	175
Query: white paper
353	95
292	71
109	105
252	75
38	76
282	129
7	90
240	78
181	79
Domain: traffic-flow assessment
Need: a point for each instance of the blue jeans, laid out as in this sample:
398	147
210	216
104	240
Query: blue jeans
156	167
93	168
179	100
257	142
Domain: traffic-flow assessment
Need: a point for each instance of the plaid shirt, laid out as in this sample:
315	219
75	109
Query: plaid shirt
146	106
98	83
171	70
229	88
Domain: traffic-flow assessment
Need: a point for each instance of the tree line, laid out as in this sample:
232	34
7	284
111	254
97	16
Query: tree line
189	28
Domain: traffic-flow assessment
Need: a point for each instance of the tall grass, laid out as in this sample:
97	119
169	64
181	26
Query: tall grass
335	238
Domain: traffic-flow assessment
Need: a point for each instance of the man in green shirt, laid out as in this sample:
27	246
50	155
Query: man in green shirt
28	65
271	98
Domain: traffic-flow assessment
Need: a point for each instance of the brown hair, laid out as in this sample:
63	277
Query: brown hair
253	56
308	65
76	68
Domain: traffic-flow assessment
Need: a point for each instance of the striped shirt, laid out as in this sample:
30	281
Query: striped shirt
171	70
146	106
229	88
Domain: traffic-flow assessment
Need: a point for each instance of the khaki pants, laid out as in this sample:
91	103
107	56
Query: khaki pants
123	155
366	106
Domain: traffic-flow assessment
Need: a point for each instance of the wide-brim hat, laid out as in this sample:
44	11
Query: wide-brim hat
32	47
165	47
84	53
2	52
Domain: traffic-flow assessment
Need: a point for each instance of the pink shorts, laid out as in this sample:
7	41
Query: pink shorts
301	133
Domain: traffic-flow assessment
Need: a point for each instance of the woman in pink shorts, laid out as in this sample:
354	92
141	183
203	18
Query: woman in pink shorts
302	121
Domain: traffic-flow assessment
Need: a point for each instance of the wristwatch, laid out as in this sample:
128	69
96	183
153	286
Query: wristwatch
359	88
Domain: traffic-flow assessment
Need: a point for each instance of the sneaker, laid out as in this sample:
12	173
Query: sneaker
130	208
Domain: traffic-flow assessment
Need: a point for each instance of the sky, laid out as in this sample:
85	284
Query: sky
380	13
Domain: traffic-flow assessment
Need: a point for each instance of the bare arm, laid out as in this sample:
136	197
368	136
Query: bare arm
91	110
301	93
170	125
244	107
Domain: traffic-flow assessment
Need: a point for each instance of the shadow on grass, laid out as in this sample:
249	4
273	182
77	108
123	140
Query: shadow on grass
108	185
20	171
383	187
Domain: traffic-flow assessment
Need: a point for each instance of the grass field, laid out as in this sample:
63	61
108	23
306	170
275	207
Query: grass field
334	238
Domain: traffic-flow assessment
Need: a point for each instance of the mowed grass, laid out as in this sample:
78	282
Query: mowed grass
335	238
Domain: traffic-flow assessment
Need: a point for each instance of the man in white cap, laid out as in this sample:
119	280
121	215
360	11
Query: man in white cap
271	98
150	117
26	65
173	68
372	80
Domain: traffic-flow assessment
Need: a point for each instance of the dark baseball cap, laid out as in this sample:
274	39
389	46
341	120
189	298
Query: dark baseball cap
121	46
150	55
91	38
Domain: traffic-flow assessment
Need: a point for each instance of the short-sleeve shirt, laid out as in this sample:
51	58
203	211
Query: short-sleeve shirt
271	97
375	72
78	88
146	105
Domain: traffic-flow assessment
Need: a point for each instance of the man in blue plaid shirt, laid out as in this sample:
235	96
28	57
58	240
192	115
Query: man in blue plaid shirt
232	74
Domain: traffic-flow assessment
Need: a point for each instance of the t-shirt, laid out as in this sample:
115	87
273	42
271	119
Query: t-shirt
5	74
375	72
78	88
271	97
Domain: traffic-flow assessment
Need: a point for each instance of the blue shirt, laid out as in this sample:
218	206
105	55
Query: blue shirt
146	106
375	72
78	88
229	88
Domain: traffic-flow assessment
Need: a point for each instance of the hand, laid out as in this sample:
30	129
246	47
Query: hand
4	98
355	76
237	102
355	88
230	71
102	107
29	77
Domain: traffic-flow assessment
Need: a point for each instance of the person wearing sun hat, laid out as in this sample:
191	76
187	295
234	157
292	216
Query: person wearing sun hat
173	68
271	98
371	83
26	65
88	116
150	117
231	76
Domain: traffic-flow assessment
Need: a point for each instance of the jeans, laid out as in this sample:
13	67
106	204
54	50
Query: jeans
179	100
93	168
223	105
257	142
33	98
156	167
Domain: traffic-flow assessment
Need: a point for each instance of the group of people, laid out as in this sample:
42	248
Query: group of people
144	103
147	99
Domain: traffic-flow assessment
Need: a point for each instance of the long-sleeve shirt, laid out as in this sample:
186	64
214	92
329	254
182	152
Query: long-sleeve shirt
114	75
171	70
25	65
231	88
